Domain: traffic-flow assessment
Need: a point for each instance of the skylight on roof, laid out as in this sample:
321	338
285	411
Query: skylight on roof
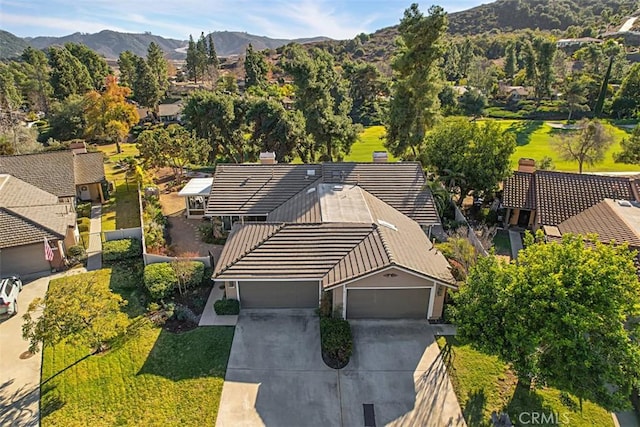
387	224
311	172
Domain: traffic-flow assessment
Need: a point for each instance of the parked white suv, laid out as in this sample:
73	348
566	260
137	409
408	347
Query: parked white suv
9	289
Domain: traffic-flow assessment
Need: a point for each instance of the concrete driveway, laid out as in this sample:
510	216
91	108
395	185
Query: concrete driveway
276	376
20	377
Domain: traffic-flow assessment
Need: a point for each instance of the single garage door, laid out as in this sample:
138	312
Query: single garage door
297	294
23	260
387	303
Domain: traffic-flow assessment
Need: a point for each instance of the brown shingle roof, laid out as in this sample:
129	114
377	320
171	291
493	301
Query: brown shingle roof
16	230
261	189
15	192
519	191
304	207
603	220
557	196
57	172
89	168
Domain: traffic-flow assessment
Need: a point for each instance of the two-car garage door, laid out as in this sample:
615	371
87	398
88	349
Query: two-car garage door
286	294
387	303
23	260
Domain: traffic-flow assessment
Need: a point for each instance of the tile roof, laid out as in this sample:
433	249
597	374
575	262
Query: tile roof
560	195
56	218
89	168
519	191
261	189
16	230
557	196
607	220
333	251
15	192
256	189
57	172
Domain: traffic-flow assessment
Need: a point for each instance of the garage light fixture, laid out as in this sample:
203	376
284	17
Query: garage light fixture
391	275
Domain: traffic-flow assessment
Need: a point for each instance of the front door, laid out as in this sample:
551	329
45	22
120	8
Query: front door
523	218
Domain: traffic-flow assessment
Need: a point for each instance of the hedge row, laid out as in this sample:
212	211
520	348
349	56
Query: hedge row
117	250
226	306
337	342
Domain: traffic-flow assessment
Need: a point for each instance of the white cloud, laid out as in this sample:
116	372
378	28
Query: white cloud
57	24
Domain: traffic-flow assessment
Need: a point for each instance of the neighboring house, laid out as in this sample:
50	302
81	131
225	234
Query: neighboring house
513	93
29	217
576	42
167	113
546	199
352	233
65	174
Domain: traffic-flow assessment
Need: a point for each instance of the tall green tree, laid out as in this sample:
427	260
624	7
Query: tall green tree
221	119
96	66
575	97
478	152
255	68
368	89
562	316
322	95
127	62
146	90
202	55
67	119
510	61
414	103
587	145
173	146
159	67
626	103
40	91
545	52
192	60
275	129
630	148
68	75
212	60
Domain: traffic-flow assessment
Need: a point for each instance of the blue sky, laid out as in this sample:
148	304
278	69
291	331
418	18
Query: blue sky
179	18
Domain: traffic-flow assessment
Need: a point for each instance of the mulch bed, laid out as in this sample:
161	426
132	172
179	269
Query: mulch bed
195	299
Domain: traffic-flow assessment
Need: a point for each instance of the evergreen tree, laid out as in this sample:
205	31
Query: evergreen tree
68	75
414	103
201	56
96	65
255	68
145	87
212	60
510	62
192	60
127	65
38	73
158	65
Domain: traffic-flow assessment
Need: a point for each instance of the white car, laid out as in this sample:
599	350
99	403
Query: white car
9	289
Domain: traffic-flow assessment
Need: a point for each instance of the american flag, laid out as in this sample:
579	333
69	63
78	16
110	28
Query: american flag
48	253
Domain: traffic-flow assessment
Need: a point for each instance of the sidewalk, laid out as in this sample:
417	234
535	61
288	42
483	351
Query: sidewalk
94	251
209	316
516	243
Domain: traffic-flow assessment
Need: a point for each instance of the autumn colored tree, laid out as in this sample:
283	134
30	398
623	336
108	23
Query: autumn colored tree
109	115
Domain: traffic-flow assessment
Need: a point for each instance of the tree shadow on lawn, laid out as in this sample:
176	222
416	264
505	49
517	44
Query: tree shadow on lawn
199	353
526	403
127	281
474	409
523	130
15	405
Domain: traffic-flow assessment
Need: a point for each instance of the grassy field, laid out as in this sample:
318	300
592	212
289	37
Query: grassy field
534	140
484	384
153	378
121	210
370	140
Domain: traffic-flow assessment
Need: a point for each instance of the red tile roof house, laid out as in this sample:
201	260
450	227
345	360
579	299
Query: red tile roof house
29	217
560	202
355	233
67	174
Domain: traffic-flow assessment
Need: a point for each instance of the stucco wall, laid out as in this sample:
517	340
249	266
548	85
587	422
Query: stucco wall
70	238
384	280
337	299
438	302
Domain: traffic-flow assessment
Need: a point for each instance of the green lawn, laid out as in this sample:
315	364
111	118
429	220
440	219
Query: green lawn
121	210
484	384
153	378
534	141
368	142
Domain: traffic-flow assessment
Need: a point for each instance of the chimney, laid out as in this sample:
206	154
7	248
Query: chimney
268	158
380	157
526	165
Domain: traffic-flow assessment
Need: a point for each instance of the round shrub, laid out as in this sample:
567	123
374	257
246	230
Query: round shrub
190	273
83	224
160	280
336	341
76	251
116	250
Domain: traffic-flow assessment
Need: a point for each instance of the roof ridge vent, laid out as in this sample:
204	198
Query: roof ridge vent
625	203
387	224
